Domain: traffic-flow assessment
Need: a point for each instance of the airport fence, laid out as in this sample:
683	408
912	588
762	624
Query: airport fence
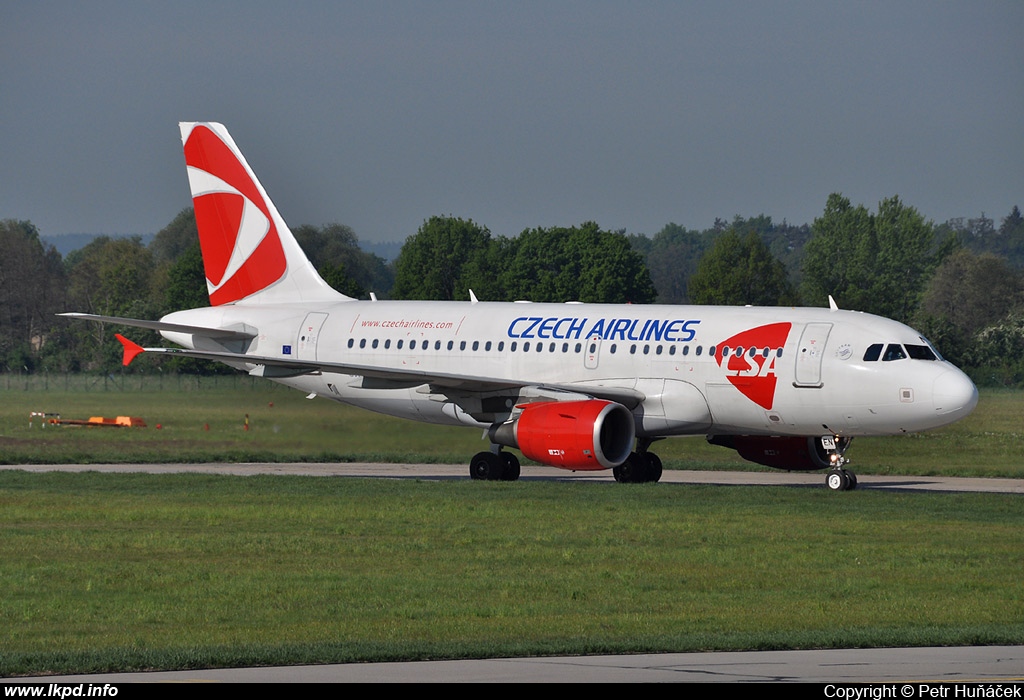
73	382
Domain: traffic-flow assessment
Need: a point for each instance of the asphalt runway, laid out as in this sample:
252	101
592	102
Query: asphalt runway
1003	664
451	471
912	666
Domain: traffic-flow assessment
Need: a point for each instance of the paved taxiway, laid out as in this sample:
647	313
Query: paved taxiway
448	471
931	665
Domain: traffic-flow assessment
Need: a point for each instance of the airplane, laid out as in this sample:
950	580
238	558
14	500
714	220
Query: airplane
575	386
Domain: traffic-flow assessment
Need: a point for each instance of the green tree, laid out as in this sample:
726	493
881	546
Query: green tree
186	281
997	354
672	257
879	263
31	292
171	242
839	255
740	269
968	294
973	291
335	253
581	263
443	260
111	277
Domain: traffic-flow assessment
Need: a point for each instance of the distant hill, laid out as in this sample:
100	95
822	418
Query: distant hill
68	242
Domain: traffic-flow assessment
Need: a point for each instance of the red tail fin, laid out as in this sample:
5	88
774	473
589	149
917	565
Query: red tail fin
248	251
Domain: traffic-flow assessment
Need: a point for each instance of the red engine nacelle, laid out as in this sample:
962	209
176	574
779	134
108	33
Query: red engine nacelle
790	453
579	435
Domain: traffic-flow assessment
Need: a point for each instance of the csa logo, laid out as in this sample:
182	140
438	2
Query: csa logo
242	252
754	374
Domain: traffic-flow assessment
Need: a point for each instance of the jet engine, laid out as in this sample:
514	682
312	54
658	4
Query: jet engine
789	453
583	435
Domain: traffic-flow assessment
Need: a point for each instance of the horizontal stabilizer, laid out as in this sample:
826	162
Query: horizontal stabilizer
218	333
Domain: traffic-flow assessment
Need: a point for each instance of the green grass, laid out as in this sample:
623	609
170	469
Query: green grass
103	572
202	420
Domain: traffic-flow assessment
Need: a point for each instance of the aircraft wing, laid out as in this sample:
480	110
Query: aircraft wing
386	377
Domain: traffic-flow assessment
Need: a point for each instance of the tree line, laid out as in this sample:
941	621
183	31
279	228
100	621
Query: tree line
961	282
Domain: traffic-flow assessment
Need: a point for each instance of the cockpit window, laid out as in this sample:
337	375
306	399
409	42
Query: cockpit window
894	352
938	355
873	353
920	352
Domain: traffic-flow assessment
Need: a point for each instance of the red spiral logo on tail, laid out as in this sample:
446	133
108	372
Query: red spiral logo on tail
242	252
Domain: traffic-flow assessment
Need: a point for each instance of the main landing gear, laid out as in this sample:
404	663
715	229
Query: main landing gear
494	466
641	467
838	478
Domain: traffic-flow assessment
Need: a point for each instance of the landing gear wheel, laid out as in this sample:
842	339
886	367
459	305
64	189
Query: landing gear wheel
486	466
653	467
851	478
840	480
511	466
629	471
639	468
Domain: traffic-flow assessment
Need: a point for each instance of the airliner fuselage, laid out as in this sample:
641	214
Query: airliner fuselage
692	369
575	386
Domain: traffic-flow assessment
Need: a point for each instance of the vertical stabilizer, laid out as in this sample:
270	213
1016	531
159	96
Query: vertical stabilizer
248	251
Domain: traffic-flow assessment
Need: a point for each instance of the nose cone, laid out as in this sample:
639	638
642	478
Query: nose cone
954	395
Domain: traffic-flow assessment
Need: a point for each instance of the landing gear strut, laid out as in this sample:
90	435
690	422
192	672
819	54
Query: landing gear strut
838	478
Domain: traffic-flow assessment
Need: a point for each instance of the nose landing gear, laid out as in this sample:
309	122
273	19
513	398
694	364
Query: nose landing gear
838	478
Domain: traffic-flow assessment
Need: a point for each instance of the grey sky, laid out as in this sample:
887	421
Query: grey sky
515	114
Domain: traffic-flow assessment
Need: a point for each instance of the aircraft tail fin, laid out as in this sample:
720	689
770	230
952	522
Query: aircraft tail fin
248	251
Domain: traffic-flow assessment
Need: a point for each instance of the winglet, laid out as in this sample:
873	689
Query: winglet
131	350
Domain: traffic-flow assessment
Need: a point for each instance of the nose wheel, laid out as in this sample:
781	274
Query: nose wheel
841	480
838	478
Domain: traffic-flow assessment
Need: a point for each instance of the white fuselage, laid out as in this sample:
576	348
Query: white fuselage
695	369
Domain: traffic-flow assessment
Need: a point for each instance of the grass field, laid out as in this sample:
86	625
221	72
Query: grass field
202	420
104	572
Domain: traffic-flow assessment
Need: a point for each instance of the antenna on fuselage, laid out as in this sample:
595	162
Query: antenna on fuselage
832	305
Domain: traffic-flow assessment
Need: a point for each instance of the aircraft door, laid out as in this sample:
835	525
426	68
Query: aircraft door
308	334
810	353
